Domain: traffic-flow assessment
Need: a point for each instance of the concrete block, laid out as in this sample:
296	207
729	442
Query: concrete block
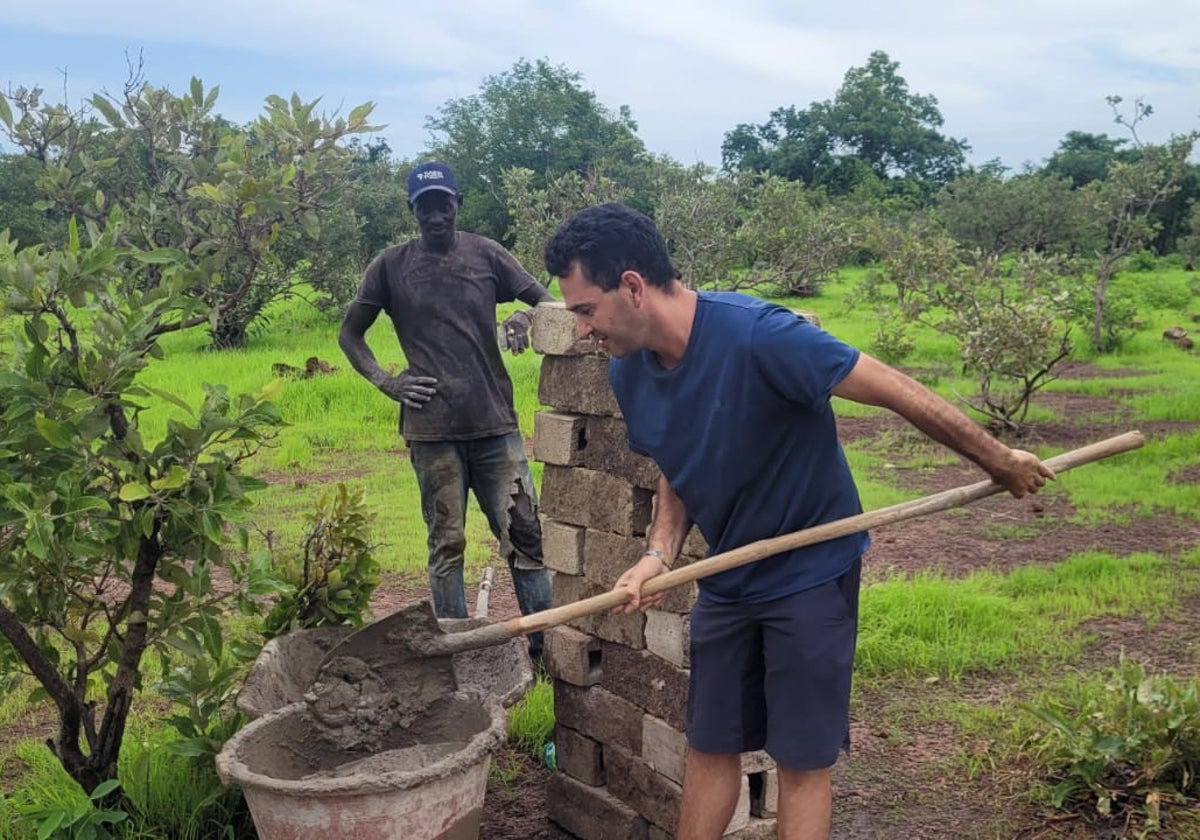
591	813
755	829
664	748
555	332
651	794
598	714
757	762
607	556
595	500
668	635
572	656
562	547
628	630
764	793
608	451
579	756
679	599
559	438
577	384
694	544
651	683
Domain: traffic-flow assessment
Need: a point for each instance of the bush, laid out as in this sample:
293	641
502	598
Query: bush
1129	749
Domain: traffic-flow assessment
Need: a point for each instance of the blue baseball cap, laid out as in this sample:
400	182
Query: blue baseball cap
433	175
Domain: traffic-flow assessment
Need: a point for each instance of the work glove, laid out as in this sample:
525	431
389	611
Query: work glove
515	331
408	388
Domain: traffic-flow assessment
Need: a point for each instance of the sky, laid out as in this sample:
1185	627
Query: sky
1011	78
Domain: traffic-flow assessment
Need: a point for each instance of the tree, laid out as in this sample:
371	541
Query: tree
108	540
19	198
1082	157
699	213
1123	216
245	206
534	116
873	125
537	212
1009	317
996	216
792	240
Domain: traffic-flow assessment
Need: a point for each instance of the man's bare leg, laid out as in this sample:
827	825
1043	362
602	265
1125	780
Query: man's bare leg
712	783
805	804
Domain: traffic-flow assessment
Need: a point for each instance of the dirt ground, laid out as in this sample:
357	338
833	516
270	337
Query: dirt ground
895	783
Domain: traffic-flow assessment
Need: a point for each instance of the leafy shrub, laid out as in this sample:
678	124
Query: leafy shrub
1129	749
332	580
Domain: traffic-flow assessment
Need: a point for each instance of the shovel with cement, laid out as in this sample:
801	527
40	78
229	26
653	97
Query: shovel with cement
409	646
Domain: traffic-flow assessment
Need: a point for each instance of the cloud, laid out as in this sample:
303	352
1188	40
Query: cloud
1011	78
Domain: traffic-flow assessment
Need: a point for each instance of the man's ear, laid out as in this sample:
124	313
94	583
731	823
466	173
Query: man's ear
635	284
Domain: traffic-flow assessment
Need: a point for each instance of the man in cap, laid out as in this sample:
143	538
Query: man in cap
456	399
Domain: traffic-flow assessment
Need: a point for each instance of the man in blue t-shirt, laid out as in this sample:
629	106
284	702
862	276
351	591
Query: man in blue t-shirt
731	397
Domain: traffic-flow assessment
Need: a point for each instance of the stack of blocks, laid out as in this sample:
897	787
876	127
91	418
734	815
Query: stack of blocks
620	682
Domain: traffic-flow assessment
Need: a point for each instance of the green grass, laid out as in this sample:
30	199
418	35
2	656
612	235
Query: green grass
531	721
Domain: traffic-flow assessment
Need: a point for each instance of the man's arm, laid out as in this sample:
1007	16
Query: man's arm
663	543
873	383
413	391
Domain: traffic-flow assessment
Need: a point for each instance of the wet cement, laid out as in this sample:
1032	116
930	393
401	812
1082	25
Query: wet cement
372	702
288	750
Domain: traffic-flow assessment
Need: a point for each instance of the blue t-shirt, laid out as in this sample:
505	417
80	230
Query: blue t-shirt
743	431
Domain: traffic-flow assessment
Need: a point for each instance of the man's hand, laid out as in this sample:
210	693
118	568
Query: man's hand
407	388
648	567
516	330
1023	473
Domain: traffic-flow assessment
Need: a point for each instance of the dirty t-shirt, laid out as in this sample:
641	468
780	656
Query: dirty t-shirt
443	307
743	431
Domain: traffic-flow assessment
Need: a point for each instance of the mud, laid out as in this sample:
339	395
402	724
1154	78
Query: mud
288	666
286	751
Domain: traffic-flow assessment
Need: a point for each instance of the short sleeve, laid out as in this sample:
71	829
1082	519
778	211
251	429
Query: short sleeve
373	289
512	280
800	361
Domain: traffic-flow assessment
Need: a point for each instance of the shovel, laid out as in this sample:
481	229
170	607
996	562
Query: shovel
390	645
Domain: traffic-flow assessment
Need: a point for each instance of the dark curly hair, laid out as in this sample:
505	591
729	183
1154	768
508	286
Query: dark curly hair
608	240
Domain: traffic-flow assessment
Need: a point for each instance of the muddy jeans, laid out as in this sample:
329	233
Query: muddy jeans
496	470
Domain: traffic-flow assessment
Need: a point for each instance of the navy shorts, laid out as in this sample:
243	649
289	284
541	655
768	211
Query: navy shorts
776	675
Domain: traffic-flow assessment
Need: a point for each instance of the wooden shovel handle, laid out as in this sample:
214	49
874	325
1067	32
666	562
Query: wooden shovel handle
945	500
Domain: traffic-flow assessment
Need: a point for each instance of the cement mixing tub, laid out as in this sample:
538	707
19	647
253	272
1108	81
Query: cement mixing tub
423	781
287	666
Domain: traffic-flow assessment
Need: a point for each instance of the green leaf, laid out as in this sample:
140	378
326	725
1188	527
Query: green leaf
5	111
134	491
56	434
82	504
171	398
105	788
97	259
175	478
50	824
161	256
211	524
108	110
197	91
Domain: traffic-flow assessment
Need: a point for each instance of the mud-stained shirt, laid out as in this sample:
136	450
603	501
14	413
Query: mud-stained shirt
443	308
